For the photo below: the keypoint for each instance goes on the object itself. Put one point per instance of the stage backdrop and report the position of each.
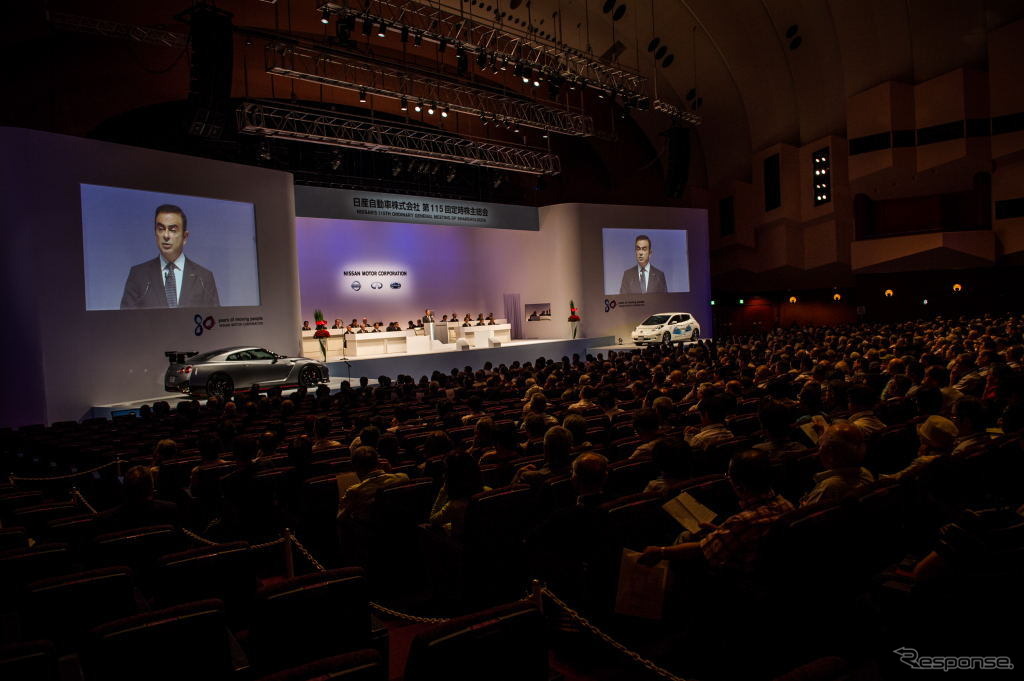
(392, 271)
(62, 359)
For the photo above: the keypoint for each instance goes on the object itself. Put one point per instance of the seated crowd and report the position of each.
(471, 482)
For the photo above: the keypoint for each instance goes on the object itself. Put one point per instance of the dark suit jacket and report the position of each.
(427, 320)
(631, 281)
(145, 287)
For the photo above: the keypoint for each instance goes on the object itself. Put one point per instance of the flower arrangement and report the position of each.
(321, 333)
(574, 318)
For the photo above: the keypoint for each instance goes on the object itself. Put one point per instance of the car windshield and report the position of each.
(655, 320)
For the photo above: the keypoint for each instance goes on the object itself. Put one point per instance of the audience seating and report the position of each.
(29, 661)
(186, 641)
(62, 609)
(224, 572)
(504, 643)
(310, 617)
(359, 665)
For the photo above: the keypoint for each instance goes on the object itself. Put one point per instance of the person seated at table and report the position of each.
(362, 328)
(533, 317)
(453, 317)
(394, 326)
(354, 324)
(419, 324)
(490, 316)
(352, 328)
(338, 324)
(376, 327)
(467, 322)
(305, 326)
(411, 326)
(480, 320)
(444, 318)
(468, 317)
(490, 322)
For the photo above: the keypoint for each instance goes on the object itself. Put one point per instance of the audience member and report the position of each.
(841, 451)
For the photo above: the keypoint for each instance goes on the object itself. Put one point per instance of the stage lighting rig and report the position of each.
(275, 121)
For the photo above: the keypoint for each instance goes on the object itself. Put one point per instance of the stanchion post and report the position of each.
(289, 557)
(537, 593)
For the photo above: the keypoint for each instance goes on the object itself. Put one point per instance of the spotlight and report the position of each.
(382, 30)
(536, 83)
(503, 65)
(444, 112)
(792, 300)
(367, 26)
(515, 129)
(837, 297)
(450, 175)
(362, 95)
(957, 288)
(264, 151)
(889, 293)
(417, 40)
(325, 17)
(405, 34)
(335, 161)
(404, 104)
(430, 109)
(418, 107)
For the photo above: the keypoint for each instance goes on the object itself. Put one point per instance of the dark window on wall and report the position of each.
(772, 183)
(727, 216)
(821, 162)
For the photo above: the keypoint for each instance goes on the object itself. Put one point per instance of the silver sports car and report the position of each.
(221, 372)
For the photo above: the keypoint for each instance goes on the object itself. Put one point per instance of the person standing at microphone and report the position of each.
(170, 279)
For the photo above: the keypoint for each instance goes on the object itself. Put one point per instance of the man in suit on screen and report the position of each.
(170, 279)
(644, 277)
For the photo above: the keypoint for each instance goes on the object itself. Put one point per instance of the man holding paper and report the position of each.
(733, 544)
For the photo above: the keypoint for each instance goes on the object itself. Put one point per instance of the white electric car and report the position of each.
(666, 327)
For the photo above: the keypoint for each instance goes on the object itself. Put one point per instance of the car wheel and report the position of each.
(695, 335)
(220, 385)
(666, 338)
(309, 376)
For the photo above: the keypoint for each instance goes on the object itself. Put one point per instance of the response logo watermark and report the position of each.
(915, 660)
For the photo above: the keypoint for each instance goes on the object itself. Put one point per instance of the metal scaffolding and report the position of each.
(112, 29)
(323, 127)
(510, 46)
(353, 73)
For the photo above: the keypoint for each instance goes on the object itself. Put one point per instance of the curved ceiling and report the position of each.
(761, 71)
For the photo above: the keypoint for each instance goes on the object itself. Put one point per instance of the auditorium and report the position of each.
(517, 340)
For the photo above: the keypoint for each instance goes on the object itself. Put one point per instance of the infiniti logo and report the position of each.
(376, 285)
(356, 286)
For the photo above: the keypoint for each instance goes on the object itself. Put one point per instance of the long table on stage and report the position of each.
(363, 344)
(406, 342)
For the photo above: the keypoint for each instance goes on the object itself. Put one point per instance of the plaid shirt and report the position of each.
(733, 545)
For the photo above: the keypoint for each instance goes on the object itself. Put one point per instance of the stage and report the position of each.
(443, 358)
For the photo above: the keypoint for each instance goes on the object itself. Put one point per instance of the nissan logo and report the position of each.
(376, 285)
(395, 284)
(356, 286)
